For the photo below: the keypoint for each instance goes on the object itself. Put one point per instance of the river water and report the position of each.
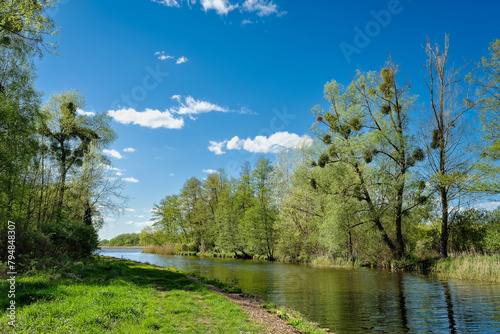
(356, 300)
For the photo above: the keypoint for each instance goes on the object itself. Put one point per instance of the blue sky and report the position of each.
(207, 84)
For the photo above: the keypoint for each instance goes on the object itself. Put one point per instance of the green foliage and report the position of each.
(372, 162)
(436, 139)
(385, 109)
(468, 231)
(103, 242)
(71, 238)
(26, 20)
(126, 239)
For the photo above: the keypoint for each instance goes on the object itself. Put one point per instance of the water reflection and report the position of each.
(449, 306)
(355, 300)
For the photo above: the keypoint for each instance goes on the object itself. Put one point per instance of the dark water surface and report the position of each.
(353, 300)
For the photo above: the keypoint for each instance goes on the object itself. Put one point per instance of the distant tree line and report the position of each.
(380, 183)
(126, 239)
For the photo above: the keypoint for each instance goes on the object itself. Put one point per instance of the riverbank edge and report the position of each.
(122, 247)
(289, 316)
(467, 266)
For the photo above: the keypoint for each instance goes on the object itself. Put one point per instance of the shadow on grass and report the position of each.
(46, 285)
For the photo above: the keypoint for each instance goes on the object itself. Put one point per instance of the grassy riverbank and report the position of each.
(111, 296)
(470, 267)
(103, 295)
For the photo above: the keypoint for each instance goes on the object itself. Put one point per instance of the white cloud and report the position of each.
(222, 7)
(488, 205)
(113, 153)
(190, 106)
(149, 118)
(216, 147)
(112, 168)
(119, 173)
(181, 60)
(172, 174)
(85, 113)
(129, 210)
(130, 179)
(154, 118)
(261, 144)
(245, 21)
(162, 56)
(262, 7)
(210, 171)
(129, 150)
(139, 224)
(168, 3)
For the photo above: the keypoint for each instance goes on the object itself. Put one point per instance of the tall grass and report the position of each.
(334, 262)
(168, 249)
(470, 266)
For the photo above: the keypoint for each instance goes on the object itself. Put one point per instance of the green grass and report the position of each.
(470, 267)
(110, 296)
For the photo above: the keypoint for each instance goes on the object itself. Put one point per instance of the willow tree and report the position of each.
(367, 130)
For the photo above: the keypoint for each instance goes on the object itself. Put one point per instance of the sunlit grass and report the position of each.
(111, 296)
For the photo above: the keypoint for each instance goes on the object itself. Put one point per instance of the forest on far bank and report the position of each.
(379, 183)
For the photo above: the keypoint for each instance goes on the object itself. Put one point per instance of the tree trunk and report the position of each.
(443, 252)
(399, 219)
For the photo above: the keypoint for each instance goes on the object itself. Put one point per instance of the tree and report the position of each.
(300, 206)
(26, 20)
(487, 80)
(71, 136)
(168, 218)
(367, 130)
(263, 214)
(195, 211)
(449, 161)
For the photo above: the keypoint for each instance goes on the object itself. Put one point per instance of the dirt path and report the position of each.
(271, 323)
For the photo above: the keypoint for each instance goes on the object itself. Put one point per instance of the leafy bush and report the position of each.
(468, 231)
(72, 238)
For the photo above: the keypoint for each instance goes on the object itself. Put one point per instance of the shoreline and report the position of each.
(122, 247)
(269, 318)
(467, 266)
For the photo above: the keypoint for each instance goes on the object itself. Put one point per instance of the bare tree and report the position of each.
(447, 133)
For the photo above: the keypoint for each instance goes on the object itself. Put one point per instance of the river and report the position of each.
(358, 300)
